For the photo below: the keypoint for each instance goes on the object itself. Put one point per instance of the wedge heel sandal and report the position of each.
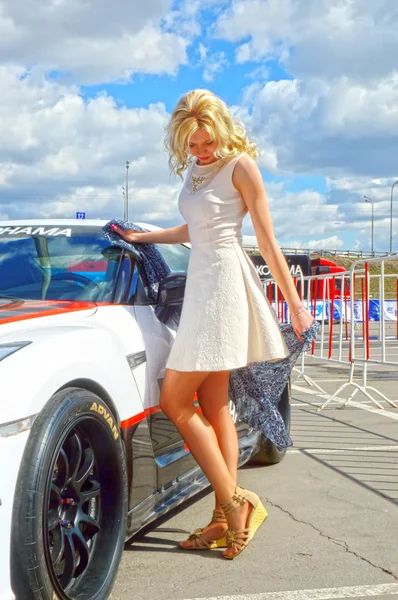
(200, 539)
(240, 539)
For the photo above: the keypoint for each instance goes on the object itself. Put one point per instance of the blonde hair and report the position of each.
(201, 109)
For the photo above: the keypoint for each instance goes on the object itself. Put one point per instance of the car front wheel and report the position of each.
(69, 515)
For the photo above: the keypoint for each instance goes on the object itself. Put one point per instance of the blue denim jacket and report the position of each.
(254, 389)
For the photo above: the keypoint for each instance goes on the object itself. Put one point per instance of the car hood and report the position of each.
(13, 311)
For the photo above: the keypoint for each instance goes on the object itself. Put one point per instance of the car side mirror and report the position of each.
(170, 297)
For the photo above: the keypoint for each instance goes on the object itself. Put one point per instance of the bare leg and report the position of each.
(176, 401)
(213, 400)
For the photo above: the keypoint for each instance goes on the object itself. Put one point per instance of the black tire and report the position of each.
(70, 507)
(268, 453)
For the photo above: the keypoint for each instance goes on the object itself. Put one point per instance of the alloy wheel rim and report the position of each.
(72, 509)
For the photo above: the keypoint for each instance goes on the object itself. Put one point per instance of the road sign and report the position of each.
(80, 215)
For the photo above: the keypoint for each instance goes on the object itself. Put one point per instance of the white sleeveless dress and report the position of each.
(227, 321)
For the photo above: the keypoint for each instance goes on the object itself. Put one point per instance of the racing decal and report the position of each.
(140, 417)
(147, 413)
(53, 232)
(98, 408)
(19, 310)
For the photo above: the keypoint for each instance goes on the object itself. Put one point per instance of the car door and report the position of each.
(171, 454)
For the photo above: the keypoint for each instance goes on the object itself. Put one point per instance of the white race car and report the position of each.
(87, 458)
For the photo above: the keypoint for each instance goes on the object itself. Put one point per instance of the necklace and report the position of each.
(201, 175)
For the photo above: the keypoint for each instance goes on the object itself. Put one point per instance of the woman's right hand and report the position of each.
(128, 234)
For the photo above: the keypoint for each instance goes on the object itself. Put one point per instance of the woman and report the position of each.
(226, 320)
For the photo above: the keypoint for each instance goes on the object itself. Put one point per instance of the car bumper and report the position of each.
(11, 451)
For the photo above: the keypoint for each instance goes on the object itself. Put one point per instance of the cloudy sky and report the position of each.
(88, 84)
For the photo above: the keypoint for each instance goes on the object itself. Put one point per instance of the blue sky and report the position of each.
(315, 81)
(229, 84)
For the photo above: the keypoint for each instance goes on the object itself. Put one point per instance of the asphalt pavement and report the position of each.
(332, 530)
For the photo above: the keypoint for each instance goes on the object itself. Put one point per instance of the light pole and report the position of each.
(126, 194)
(371, 202)
(392, 190)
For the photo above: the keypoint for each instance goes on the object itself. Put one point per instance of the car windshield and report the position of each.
(45, 267)
(77, 264)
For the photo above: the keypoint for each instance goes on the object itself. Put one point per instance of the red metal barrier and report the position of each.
(367, 310)
(331, 315)
(314, 297)
(362, 304)
(331, 344)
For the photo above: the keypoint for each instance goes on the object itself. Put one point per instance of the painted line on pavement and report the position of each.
(357, 378)
(378, 411)
(320, 403)
(341, 450)
(320, 381)
(356, 591)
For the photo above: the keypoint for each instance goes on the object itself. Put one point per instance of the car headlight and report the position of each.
(11, 347)
(15, 427)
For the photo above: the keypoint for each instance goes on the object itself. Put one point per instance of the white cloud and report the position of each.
(298, 214)
(185, 18)
(157, 204)
(329, 128)
(330, 243)
(259, 74)
(308, 219)
(202, 51)
(356, 38)
(354, 211)
(214, 65)
(92, 41)
(59, 153)
(336, 117)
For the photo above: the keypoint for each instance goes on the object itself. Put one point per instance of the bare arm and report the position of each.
(173, 235)
(248, 181)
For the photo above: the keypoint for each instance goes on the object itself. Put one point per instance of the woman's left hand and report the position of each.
(301, 322)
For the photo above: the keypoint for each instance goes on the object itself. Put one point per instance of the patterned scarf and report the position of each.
(256, 389)
(151, 265)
